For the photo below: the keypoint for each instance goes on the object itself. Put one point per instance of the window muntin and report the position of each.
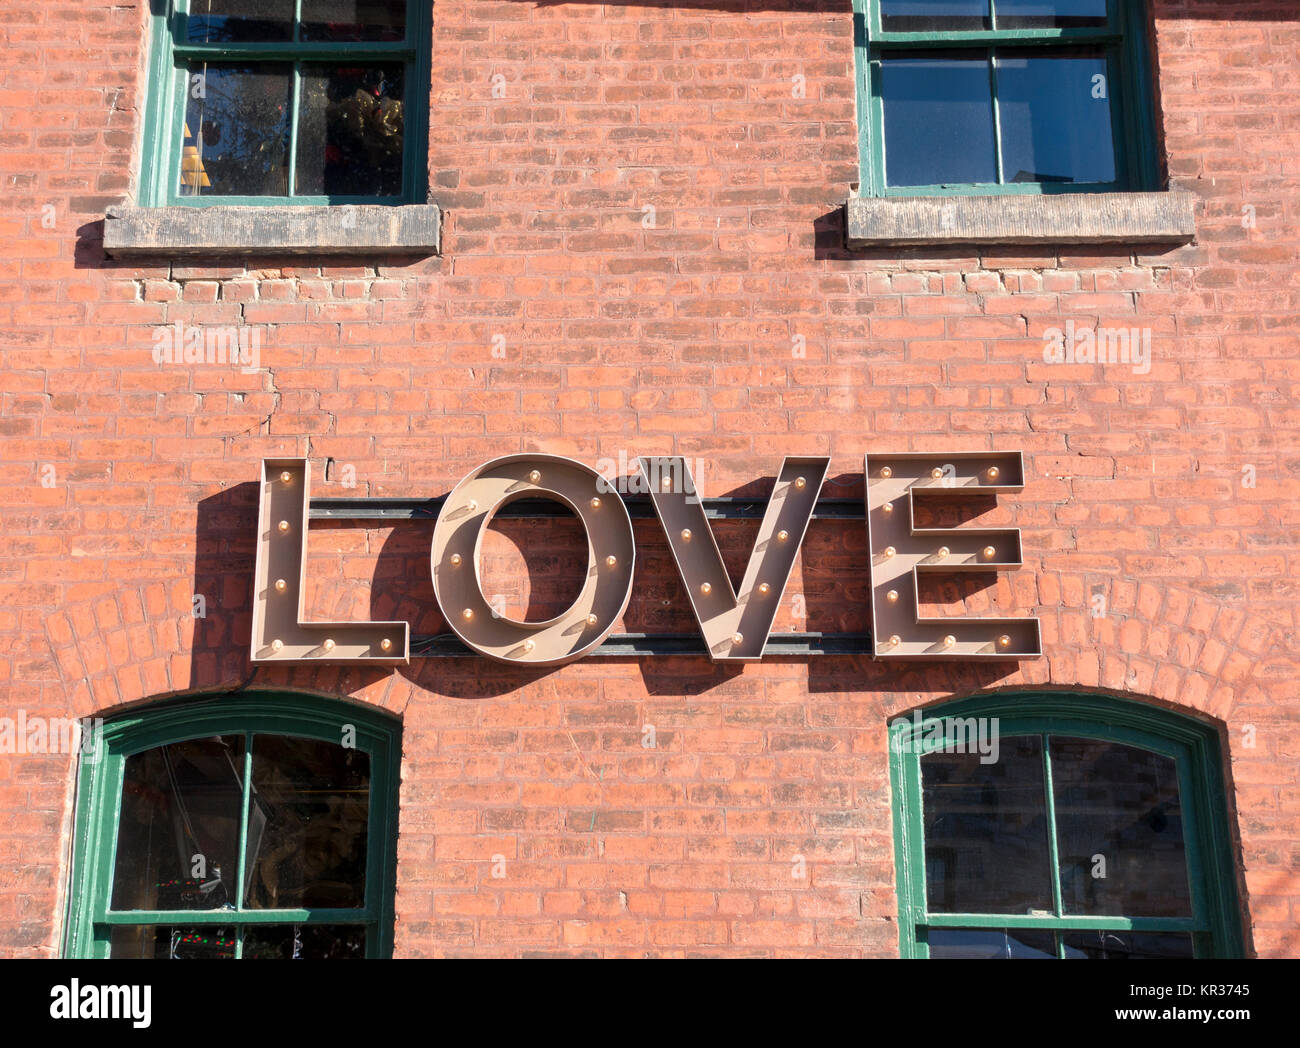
(288, 102)
(161, 857)
(1084, 777)
(1003, 96)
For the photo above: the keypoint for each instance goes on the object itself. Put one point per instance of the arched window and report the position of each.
(237, 827)
(1061, 826)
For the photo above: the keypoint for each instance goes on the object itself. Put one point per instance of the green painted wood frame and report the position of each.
(1215, 923)
(1125, 40)
(98, 806)
(168, 86)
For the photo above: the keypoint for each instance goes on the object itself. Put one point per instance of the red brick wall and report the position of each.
(678, 338)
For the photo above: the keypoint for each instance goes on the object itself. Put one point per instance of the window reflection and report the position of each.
(178, 833)
(237, 123)
(1119, 830)
(307, 824)
(986, 844)
(938, 120)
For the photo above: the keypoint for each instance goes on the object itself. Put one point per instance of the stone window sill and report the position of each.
(224, 231)
(1073, 218)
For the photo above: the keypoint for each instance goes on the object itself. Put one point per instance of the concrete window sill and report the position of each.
(1071, 218)
(222, 231)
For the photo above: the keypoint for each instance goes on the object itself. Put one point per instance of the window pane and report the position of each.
(242, 21)
(918, 16)
(1055, 116)
(1058, 14)
(237, 130)
(178, 836)
(986, 847)
(307, 824)
(162, 943)
(938, 120)
(353, 20)
(1119, 946)
(990, 944)
(350, 130)
(304, 942)
(1119, 828)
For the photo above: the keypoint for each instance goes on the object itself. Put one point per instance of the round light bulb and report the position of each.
(455, 560)
(706, 589)
(1004, 641)
(737, 638)
(385, 645)
(529, 645)
(328, 645)
(989, 551)
(285, 477)
(993, 473)
(611, 561)
(467, 614)
(666, 483)
(281, 585)
(591, 620)
(800, 482)
(942, 552)
(890, 551)
(782, 536)
(949, 641)
(895, 641)
(277, 645)
(891, 596)
(535, 476)
(764, 588)
(936, 473)
(886, 472)
(888, 507)
(595, 503)
(283, 526)
(686, 534)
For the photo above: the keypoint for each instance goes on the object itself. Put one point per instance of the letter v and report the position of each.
(735, 627)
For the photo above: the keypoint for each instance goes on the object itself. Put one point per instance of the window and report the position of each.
(288, 102)
(1061, 827)
(242, 827)
(1003, 96)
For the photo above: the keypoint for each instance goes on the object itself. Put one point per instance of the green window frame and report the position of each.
(1123, 40)
(1215, 921)
(91, 918)
(168, 87)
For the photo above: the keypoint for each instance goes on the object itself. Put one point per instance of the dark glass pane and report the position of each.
(237, 120)
(305, 942)
(239, 21)
(162, 943)
(986, 847)
(178, 836)
(938, 120)
(991, 944)
(353, 20)
(920, 16)
(350, 130)
(1057, 14)
(307, 824)
(1120, 946)
(1118, 814)
(1055, 116)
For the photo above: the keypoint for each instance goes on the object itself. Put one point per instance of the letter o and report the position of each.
(606, 589)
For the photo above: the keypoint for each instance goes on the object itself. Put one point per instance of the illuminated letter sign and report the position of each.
(279, 632)
(736, 626)
(611, 551)
(901, 552)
